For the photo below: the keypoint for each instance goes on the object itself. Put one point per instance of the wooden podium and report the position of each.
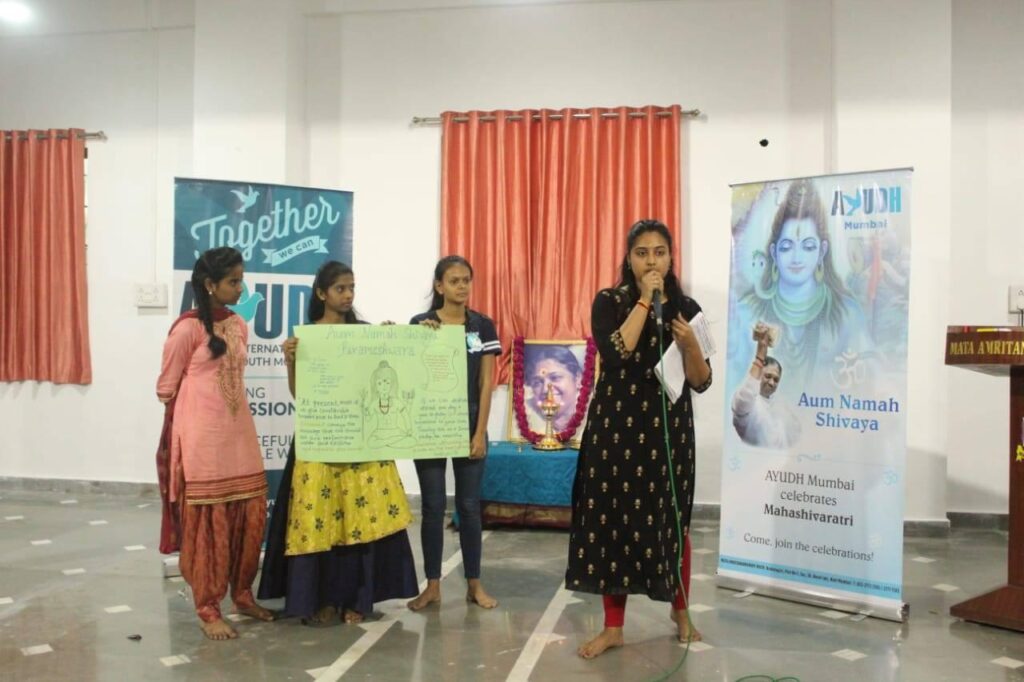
(999, 351)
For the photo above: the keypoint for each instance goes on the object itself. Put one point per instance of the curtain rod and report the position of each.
(98, 135)
(434, 120)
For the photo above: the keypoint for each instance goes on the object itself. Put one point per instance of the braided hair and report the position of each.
(213, 265)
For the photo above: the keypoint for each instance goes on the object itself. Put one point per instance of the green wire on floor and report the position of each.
(682, 543)
(679, 531)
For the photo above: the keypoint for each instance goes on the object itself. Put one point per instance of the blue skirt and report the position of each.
(346, 577)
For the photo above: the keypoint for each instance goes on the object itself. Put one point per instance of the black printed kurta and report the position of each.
(623, 538)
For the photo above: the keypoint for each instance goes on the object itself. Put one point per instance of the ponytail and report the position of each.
(443, 265)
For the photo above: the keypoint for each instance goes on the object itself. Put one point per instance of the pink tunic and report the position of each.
(213, 438)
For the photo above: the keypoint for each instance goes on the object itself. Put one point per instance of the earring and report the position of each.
(775, 272)
(819, 273)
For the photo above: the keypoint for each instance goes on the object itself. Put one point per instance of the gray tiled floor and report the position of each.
(457, 642)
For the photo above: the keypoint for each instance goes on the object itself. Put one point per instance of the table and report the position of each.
(527, 487)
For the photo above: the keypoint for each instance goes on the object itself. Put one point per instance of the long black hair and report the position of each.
(213, 265)
(443, 265)
(627, 279)
(326, 276)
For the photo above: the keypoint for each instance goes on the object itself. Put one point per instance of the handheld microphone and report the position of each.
(656, 302)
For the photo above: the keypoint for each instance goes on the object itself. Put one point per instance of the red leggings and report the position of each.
(220, 548)
(615, 604)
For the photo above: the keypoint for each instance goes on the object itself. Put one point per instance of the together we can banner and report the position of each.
(284, 234)
(816, 391)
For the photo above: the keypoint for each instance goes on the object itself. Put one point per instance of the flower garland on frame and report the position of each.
(519, 392)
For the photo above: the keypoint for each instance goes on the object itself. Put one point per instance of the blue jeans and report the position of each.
(469, 474)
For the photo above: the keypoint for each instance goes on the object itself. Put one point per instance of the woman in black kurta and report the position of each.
(624, 538)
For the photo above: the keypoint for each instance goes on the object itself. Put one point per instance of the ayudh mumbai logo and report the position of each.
(867, 201)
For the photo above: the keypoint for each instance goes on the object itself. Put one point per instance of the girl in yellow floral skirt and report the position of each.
(337, 542)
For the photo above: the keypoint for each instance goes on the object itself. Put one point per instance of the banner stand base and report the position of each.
(899, 614)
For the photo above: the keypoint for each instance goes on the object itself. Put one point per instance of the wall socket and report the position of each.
(1016, 300)
(151, 295)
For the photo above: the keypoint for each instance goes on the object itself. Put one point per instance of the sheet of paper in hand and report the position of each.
(671, 369)
(702, 330)
(368, 393)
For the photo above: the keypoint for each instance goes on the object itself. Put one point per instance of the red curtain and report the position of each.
(44, 326)
(540, 201)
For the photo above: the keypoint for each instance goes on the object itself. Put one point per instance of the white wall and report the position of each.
(136, 86)
(987, 242)
(841, 85)
(249, 83)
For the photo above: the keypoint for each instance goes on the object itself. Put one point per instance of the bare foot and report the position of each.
(322, 617)
(686, 633)
(255, 611)
(475, 594)
(218, 630)
(352, 616)
(608, 639)
(427, 597)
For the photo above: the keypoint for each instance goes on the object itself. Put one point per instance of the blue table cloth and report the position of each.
(518, 474)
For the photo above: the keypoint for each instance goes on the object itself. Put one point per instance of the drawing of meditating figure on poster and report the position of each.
(387, 411)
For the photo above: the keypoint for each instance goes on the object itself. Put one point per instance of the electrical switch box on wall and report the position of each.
(151, 295)
(1016, 298)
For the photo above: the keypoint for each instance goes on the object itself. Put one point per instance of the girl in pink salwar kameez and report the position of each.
(209, 461)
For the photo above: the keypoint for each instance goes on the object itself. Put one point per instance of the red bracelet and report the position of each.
(645, 306)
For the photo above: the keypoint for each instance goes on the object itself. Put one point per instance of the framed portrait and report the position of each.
(566, 369)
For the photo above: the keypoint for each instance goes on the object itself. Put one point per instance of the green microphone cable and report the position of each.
(682, 541)
(676, 514)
